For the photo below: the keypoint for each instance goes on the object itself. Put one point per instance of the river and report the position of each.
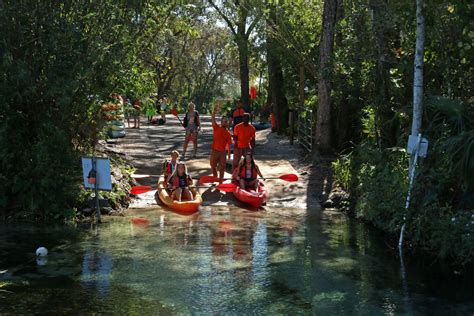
(223, 260)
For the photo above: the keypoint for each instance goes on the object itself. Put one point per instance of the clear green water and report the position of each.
(222, 261)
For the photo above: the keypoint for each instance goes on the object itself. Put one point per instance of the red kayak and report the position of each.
(251, 197)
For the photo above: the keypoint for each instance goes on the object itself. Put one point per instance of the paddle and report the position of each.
(225, 187)
(291, 177)
(175, 113)
(141, 176)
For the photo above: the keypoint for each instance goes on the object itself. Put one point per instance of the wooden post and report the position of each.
(301, 87)
(300, 107)
(292, 126)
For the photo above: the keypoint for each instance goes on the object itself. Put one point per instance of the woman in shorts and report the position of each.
(192, 125)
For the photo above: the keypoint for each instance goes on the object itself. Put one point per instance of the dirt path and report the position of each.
(147, 147)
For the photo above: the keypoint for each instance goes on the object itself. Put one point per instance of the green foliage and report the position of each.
(450, 128)
(187, 55)
(444, 230)
(439, 219)
(342, 170)
(369, 126)
(380, 186)
(460, 149)
(57, 61)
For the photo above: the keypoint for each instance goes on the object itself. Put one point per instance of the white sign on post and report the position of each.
(102, 172)
(422, 150)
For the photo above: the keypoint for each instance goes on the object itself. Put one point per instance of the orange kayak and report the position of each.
(251, 197)
(183, 206)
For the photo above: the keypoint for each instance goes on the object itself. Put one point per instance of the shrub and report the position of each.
(381, 186)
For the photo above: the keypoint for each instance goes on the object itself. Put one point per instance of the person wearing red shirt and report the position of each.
(222, 138)
(244, 139)
(237, 114)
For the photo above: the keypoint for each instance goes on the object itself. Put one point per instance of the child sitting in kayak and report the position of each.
(247, 173)
(179, 183)
(170, 165)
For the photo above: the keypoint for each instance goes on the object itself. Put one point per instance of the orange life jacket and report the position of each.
(243, 173)
(167, 167)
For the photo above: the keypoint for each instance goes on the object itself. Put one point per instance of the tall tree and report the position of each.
(236, 19)
(418, 76)
(57, 60)
(275, 75)
(383, 111)
(323, 122)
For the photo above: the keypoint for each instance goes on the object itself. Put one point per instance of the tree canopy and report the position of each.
(59, 61)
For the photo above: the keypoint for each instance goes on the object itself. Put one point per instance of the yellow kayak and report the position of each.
(183, 206)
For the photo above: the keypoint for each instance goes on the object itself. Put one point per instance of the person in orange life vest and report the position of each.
(179, 183)
(247, 173)
(170, 165)
(237, 114)
(192, 125)
(244, 139)
(222, 138)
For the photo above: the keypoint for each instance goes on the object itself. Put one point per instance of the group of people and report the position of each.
(133, 107)
(245, 172)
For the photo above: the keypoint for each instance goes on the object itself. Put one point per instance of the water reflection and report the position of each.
(228, 261)
(96, 271)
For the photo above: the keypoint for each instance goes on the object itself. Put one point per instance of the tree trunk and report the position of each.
(385, 127)
(418, 75)
(275, 77)
(269, 103)
(242, 44)
(241, 37)
(323, 123)
(280, 103)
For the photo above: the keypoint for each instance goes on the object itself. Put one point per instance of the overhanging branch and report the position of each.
(226, 19)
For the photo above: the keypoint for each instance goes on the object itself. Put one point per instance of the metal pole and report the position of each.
(411, 175)
(96, 190)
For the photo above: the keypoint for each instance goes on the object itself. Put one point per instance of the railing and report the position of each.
(304, 127)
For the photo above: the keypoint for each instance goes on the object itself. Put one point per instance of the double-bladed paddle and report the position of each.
(291, 177)
(225, 187)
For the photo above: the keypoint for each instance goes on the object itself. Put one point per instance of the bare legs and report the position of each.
(195, 146)
(217, 162)
(188, 138)
(182, 193)
(185, 146)
(136, 121)
(252, 184)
